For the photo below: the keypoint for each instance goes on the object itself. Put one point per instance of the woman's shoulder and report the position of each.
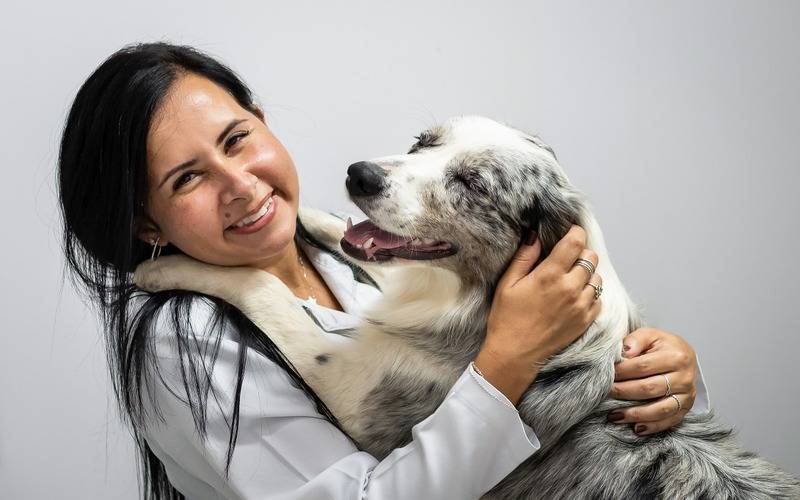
(198, 341)
(187, 329)
(174, 312)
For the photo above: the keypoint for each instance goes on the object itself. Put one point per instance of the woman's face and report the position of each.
(213, 165)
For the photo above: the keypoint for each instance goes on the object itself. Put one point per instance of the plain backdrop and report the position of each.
(680, 120)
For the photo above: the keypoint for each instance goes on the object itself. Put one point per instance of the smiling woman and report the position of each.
(237, 169)
(165, 148)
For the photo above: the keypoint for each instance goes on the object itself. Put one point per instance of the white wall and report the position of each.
(679, 119)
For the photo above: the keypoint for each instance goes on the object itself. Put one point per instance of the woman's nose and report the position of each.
(237, 183)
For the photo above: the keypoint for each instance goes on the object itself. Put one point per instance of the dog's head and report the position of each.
(460, 198)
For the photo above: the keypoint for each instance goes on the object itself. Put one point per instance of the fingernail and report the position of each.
(616, 416)
(530, 238)
(640, 428)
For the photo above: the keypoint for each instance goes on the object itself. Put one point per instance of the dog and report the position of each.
(443, 221)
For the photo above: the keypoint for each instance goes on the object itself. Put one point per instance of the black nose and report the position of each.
(365, 179)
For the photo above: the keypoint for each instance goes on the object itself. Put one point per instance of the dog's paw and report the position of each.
(185, 273)
(166, 273)
(238, 285)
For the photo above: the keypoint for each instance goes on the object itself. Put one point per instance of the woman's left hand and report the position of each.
(650, 355)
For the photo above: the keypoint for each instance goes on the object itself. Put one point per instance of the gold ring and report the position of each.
(598, 289)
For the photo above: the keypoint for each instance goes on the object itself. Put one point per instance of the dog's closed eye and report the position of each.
(426, 139)
(469, 178)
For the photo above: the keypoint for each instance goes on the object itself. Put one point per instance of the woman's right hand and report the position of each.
(536, 312)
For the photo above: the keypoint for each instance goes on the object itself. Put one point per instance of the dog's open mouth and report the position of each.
(366, 241)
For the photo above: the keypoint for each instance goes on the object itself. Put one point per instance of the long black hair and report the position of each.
(102, 178)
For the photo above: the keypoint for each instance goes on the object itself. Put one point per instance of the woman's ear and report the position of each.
(147, 231)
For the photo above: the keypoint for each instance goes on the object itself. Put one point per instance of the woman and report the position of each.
(164, 150)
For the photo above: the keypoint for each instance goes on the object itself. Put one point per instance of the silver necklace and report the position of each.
(309, 289)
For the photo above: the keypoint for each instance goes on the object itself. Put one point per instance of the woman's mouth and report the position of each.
(256, 220)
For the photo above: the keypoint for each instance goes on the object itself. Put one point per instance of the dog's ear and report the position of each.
(555, 209)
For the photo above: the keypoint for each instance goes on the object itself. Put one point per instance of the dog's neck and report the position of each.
(438, 301)
(435, 310)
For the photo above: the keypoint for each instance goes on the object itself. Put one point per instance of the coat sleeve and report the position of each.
(287, 450)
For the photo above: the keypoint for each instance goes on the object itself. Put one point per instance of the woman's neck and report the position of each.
(286, 266)
(302, 279)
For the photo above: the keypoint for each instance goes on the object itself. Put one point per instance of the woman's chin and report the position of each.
(257, 246)
(268, 243)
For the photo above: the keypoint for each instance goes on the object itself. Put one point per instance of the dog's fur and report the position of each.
(479, 185)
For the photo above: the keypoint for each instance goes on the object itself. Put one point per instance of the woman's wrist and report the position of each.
(510, 376)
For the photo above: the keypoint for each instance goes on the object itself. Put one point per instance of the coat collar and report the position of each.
(319, 234)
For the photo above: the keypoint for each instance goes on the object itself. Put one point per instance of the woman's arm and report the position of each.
(286, 449)
(651, 359)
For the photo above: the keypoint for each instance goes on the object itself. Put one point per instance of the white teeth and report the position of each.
(428, 241)
(368, 243)
(416, 241)
(261, 212)
(349, 223)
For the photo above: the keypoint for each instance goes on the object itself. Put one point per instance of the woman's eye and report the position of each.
(183, 179)
(235, 139)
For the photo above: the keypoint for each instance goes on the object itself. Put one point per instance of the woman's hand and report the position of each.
(536, 313)
(650, 355)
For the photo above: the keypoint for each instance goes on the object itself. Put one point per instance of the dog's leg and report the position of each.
(563, 396)
(573, 383)
(261, 296)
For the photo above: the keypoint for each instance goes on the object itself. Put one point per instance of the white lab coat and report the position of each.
(287, 450)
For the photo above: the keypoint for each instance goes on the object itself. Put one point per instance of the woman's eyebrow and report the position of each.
(174, 170)
(189, 163)
(228, 128)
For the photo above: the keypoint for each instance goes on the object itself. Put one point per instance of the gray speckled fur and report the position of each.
(493, 193)
(394, 406)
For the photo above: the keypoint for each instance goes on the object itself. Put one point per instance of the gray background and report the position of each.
(679, 119)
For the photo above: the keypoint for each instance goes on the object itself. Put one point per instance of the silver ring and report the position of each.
(598, 289)
(586, 264)
(669, 387)
(680, 406)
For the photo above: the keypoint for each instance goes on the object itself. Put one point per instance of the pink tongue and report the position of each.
(363, 231)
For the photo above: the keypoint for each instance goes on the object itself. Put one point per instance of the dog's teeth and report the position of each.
(428, 241)
(416, 241)
(358, 245)
(368, 243)
(349, 223)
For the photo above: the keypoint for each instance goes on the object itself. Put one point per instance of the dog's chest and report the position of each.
(400, 399)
